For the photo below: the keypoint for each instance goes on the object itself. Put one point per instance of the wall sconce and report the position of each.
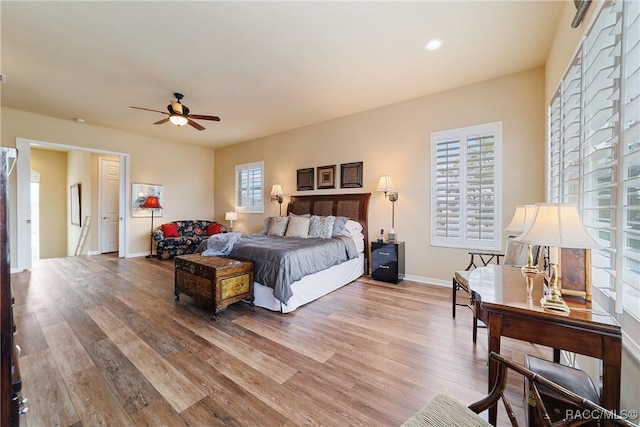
(276, 194)
(385, 184)
(152, 203)
(231, 216)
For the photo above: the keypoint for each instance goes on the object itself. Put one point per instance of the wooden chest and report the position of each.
(214, 281)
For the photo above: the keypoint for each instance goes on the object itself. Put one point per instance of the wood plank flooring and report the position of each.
(104, 343)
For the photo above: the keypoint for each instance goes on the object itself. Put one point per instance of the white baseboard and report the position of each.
(93, 253)
(137, 255)
(428, 280)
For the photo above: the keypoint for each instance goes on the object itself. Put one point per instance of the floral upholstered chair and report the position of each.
(183, 237)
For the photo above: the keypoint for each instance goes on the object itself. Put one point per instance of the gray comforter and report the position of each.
(280, 261)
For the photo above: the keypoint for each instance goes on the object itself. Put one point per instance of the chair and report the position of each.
(516, 254)
(446, 411)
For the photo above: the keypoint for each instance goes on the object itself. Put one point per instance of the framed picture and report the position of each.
(326, 177)
(76, 204)
(305, 179)
(139, 193)
(574, 271)
(351, 175)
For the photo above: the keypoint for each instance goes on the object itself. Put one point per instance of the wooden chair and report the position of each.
(516, 254)
(446, 411)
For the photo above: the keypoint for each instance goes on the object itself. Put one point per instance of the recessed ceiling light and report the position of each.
(433, 44)
(79, 120)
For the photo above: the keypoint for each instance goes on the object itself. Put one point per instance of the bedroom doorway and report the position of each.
(23, 193)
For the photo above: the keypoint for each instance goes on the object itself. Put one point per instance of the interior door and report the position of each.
(109, 204)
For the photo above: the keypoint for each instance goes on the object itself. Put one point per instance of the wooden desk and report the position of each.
(500, 297)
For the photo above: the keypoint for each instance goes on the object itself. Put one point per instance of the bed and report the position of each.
(313, 286)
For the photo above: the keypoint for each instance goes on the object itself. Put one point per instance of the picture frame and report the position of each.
(326, 177)
(351, 175)
(305, 179)
(574, 271)
(139, 193)
(75, 197)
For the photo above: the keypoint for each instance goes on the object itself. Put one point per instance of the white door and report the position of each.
(109, 204)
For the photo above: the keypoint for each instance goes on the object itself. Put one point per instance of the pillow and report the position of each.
(321, 226)
(338, 226)
(298, 227)
(214, 229)
(352, 228)
(267, 224)
(170, 230)
(301, 215)
(278, 226)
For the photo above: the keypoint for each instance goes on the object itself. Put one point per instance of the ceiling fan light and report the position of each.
(178, 120)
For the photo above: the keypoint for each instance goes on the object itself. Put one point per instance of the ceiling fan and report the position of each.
(179, 114)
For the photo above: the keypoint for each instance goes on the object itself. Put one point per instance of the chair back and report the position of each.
(517, 253)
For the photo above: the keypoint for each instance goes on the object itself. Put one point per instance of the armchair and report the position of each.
(446, 411)
(516, 254)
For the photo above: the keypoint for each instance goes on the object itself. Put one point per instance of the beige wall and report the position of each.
(395, 140)
(52, 167)
(186, 171)
(78, 172)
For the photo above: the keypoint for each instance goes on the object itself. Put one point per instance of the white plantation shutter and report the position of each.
(447, 189)
(466, 187)
(249, 187)
(607, 188)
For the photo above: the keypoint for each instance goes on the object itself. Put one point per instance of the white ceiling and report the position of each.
(263, 67)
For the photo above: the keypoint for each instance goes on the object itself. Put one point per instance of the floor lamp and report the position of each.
(152, 203)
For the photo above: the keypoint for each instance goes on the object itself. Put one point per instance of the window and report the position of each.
(466, 187)
(594, 149)
(249, 187)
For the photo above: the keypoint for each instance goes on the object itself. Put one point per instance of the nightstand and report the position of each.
(387, 261)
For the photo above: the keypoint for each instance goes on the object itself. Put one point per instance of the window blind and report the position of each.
(249, 187)
(466, 187)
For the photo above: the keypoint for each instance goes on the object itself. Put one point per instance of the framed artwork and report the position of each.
(574, 271)
(326, 177)
(305, 179)
(139, 193)
(76, 204)
(351, 175)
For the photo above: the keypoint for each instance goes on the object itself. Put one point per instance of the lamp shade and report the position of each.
(384, 183)
(178, 119)
(152, 202)
(557, 225)
(231, 216)
(276, 190)
(521, 219)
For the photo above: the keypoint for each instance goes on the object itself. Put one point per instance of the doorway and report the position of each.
(24, 225)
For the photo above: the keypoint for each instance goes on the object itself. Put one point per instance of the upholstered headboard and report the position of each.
(353, 206)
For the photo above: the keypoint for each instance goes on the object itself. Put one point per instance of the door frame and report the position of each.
(23, 166)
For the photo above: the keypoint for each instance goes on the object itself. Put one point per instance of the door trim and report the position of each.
(23, 166)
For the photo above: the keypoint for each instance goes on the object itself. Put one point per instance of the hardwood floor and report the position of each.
(104, 343)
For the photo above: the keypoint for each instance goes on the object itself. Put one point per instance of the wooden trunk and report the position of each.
(217, 282)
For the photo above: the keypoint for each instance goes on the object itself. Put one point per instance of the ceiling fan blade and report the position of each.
(176, 107)
(201, 117)
(148, 109)
(195, 125)
(159, 122)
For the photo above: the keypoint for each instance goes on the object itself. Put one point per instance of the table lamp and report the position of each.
(556, 226)
(521, 220)
(231, 216)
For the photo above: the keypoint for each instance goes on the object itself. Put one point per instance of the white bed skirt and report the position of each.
(311, 287)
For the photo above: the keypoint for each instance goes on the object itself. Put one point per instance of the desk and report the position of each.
(500, 300)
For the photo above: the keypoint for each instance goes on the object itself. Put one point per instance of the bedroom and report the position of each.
(389, 140)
